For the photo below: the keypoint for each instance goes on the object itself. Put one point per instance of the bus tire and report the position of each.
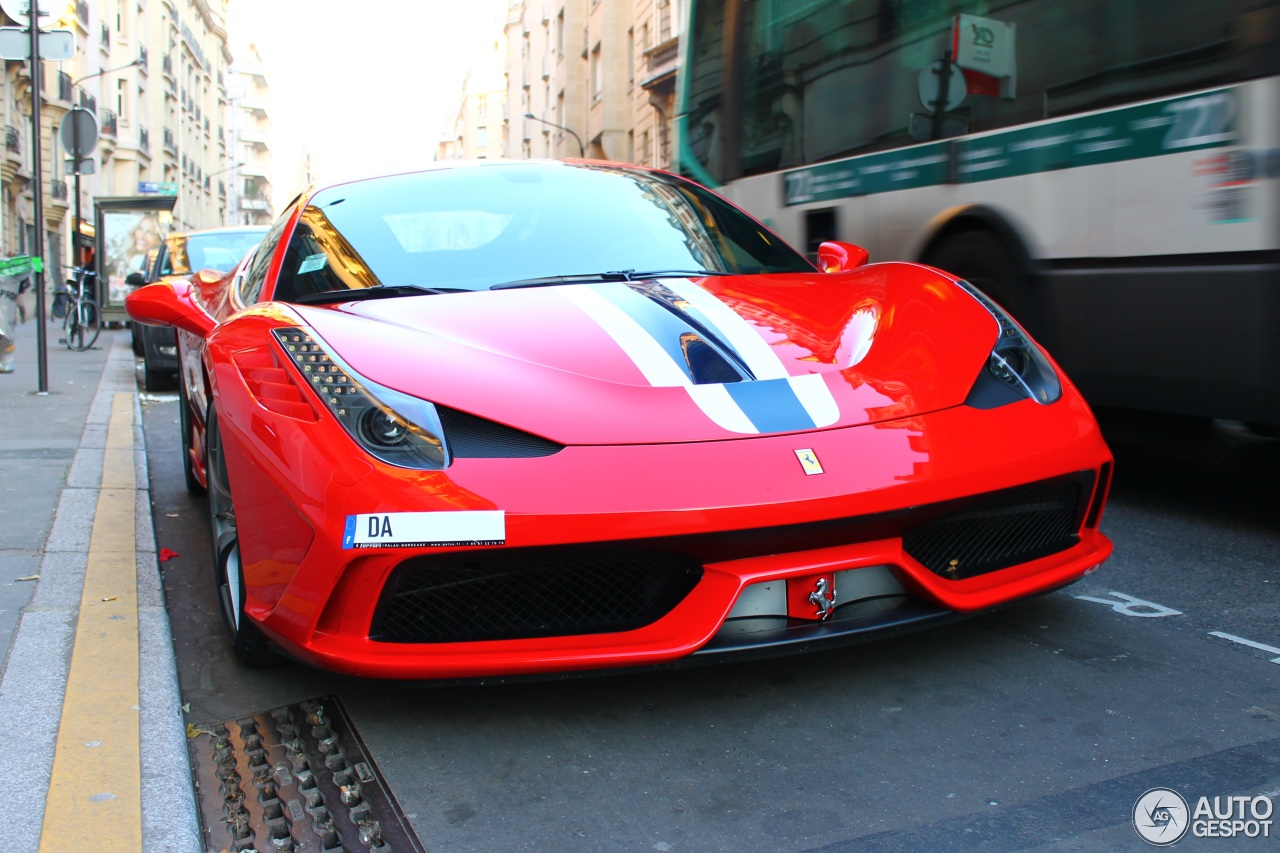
(983, 260)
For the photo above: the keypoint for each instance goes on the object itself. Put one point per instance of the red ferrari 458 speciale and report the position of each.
(519, 418)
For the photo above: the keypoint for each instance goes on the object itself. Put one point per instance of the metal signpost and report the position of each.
(58, 45)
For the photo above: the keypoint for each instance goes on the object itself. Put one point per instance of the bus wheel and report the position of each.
(981, 259)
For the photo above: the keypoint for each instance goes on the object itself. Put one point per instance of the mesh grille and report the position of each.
(999, 530)
(471, 437)
(521, 593)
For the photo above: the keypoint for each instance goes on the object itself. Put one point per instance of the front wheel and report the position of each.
(247, 642)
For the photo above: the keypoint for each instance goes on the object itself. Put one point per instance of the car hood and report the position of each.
(676, 359)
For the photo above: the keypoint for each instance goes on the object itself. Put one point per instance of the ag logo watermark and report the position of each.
(1162, 817)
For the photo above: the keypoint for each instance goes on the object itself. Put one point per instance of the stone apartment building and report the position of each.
(593, 78)
(155, 74)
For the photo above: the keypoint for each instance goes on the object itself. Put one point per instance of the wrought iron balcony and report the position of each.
(170, 144)
(109, 124)
(142, 56)
(64, 86)
(82, 11)
(106, 35)
(12, 139)
(58, 189)
(144, 139)
(88, 102)
(166, 64)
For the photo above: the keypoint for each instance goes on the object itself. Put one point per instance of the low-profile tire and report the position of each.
(247, 642)
(980, 258)
(194, 486)
(135, 340)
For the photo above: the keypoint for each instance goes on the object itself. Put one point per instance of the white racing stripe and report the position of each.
(761, 358)
(814, 394)
(718, 405)
(635, 340)
(654, 362)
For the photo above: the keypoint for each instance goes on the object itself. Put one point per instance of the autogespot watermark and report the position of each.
(1162, 817)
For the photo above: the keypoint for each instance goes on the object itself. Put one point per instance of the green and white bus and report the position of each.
(1118, 190)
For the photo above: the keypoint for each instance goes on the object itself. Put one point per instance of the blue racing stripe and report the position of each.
(770, 404)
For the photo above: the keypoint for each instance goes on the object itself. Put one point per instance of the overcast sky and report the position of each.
(368, 85)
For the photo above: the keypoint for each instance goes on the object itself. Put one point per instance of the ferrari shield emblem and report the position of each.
(809, 461)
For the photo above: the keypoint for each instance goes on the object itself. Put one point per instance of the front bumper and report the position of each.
(297, 484)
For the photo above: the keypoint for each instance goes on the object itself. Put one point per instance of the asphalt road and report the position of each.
(1037, 727)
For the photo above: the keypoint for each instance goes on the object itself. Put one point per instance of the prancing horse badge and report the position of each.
(809, 461)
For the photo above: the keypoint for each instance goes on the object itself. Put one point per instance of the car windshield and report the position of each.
(473, 227)
(218, 250)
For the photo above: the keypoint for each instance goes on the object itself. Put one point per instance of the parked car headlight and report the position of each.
(1016, 369)
(398, 429)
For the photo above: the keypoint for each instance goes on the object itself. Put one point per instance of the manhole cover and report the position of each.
(295, 779)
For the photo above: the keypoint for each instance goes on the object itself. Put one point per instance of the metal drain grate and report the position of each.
(296, 779)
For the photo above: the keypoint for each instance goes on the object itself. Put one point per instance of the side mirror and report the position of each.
(835, 256)
(135, 279)
(169, 303)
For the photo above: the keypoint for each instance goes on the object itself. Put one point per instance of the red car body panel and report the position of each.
(640, 463)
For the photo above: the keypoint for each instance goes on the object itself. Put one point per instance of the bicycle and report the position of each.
(82, 320)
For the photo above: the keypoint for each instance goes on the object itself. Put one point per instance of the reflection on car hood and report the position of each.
(677, 359)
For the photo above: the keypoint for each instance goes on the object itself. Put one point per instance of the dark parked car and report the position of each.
(184, 255)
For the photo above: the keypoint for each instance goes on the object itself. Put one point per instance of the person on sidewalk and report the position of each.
(10, 289)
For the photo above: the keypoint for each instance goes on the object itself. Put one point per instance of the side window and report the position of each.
(251, 286)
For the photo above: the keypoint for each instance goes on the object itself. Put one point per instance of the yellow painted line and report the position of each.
(94, 801)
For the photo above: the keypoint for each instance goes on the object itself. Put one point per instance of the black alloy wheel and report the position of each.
(248, 643)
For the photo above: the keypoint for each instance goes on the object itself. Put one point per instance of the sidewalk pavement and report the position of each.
(52, 450)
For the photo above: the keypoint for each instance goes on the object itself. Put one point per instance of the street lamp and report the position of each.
(582, 152)
(76, 155)
(235, 195)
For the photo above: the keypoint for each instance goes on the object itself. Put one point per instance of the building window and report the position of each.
(122, 99)
(482, 137)
(482, 104)
(597, 74)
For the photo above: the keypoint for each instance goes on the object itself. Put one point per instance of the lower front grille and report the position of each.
(523, 593)
(1000, 529)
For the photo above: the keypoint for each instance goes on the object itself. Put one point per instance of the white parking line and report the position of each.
(1250, 643)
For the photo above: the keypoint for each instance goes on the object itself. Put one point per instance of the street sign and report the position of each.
(20, 11)
(86, 166)
(79, 132)
(929, 83)
(55, 45)
(154, 188)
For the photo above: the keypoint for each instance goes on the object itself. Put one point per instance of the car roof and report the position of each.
(226, 229)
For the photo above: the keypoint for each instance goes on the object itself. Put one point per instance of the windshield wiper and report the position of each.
(381, 291)
(611, 275)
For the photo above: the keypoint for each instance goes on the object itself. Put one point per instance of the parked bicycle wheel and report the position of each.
(84, 324)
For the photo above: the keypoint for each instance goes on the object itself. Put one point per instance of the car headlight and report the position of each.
(394, 427)
(1016, 369)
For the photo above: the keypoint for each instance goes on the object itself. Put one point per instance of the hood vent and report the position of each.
(707, 365)
(472, 437)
